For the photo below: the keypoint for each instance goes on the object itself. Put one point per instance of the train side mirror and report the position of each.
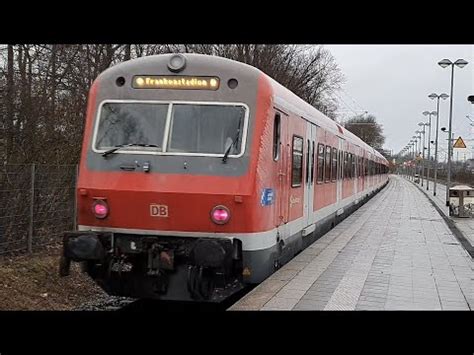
(471, 99)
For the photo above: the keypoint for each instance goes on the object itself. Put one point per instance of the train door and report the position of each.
(340, 162)
(282, 157)
(309, 177)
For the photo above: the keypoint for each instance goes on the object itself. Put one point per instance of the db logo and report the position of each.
(159, 210)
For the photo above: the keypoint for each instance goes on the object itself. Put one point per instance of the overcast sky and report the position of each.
(393, 83)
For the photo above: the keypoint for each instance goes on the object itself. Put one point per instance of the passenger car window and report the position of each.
(276, 137)
(320, 163)
(297, 162)
(327, 173)
(334, 165)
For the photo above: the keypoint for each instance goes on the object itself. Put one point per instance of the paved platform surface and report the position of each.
(465, 225)
(394, 253)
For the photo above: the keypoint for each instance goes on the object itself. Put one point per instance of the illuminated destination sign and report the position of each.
(176, 82)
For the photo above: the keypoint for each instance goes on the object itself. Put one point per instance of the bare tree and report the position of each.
(367, 129)
(309, 71)
(46, 87)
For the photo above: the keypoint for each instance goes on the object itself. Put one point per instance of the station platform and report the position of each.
(465, 225)
(395, 252)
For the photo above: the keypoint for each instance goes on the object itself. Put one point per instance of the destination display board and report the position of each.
(175, 82)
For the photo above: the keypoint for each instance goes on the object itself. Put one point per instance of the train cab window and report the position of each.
(366, 167)
(194, 129)
(276, 137)
(334, 165)
(208, 129)
(320, 176)
(327, 162)
(297, 162)
(124, 123)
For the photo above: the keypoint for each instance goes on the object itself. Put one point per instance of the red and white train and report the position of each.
(199, 174)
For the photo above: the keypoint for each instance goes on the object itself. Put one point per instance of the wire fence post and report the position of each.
(32, 209)
(75, 196)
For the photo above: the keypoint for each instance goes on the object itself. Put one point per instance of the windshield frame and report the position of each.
(166, 132)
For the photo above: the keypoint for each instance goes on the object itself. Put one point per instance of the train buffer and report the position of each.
(396, 252)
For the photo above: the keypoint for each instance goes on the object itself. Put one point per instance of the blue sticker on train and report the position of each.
(267, 197)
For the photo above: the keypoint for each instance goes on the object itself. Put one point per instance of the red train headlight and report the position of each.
(100, 208)
(220, 214)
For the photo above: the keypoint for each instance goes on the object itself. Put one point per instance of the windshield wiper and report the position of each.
(117, 147)
(226, 154)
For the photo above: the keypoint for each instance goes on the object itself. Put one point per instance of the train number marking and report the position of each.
(158, 210)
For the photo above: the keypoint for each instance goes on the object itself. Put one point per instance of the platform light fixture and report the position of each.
(434, 96)
(461, 63)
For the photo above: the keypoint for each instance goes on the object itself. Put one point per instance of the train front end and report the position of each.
(167, 178)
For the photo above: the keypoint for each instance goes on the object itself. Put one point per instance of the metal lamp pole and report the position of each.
(461, 63)
(444, 97)
(407, 157)
(422, 124)
(427, 113)
(409, 160)
(415, 148)
(418, 151)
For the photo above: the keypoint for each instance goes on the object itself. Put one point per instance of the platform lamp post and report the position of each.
(415, 148)
(408, 155)
(418, 151)
(405, 155)
(461, 63)
(402, 155)
(422, 124)
(437, 97)
(427, 113)
(409, 160)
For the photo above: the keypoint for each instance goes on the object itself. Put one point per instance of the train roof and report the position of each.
(304, 109)
(281, 93)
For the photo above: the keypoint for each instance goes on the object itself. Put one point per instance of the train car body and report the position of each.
(199, 174)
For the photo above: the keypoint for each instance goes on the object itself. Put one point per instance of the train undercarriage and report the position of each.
(164, 267)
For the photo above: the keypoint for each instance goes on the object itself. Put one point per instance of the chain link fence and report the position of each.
(37, 204)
